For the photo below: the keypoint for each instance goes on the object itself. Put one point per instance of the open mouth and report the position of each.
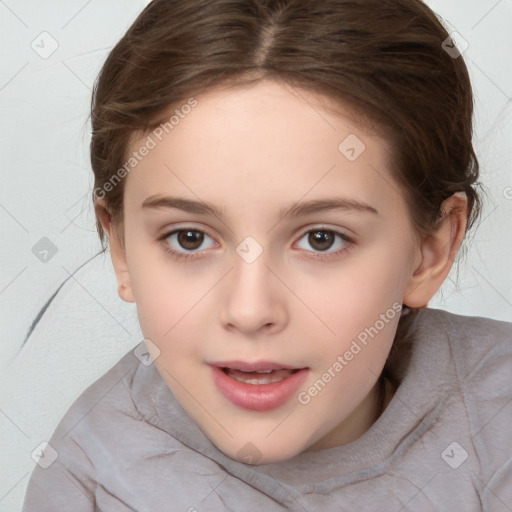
(257, 386)
(259, 377)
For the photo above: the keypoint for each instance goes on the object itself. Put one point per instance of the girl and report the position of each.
(284, 186)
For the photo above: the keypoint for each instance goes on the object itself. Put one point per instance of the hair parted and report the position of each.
(381, 59)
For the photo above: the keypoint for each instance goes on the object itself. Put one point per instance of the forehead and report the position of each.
(260, 145)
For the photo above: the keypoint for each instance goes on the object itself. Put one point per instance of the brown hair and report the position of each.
(384, 59)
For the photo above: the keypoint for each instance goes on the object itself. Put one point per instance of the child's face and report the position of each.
(251, 153)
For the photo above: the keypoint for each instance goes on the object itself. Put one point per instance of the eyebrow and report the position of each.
(297, 209)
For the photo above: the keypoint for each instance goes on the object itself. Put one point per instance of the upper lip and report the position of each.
(256, 366)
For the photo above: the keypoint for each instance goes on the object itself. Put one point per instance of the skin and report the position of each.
(251, 151)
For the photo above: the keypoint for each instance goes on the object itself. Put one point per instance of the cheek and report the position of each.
(174, 303)
(163, 294)
(352, 295)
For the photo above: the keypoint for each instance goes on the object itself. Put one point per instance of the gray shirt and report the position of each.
(444, 443)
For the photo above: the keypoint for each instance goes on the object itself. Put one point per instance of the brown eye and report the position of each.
(190, 239)
(321, 240)
(187, 242)
(324, 243)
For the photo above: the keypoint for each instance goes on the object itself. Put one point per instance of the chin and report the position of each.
(256, 453)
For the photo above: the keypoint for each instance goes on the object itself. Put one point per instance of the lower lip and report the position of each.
(258, 397)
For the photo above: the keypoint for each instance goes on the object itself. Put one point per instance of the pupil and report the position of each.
(190, 239)
(321, 240)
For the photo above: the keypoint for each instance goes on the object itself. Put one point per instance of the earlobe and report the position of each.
(117, 252)
(125, 292)
(438, 252)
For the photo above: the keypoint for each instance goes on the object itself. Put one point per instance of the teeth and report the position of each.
(260, 371)
(264, 380)
(267, 376)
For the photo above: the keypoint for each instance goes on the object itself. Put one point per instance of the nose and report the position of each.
(253, 300)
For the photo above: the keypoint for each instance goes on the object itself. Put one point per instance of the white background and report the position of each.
(45, 191)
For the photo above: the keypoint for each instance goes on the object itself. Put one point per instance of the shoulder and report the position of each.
(476, 343)
(472, 341)
(451, 346)
(477, 350)
(67, 470)
(480, 350)
(106, 396)
(113, 446)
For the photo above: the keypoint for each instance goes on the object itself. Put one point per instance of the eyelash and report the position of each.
(183, 256)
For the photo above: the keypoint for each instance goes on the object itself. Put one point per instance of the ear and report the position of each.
(117, 251)
(438, 252)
